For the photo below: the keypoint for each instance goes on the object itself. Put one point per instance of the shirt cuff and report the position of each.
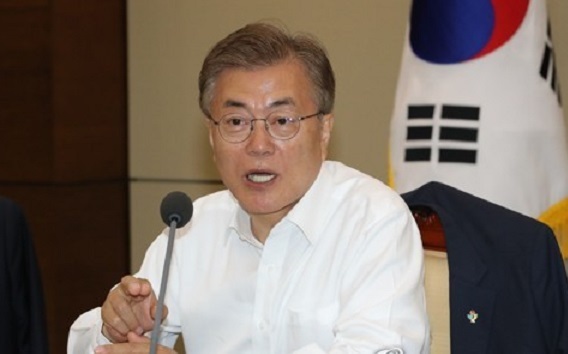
(86, 333)
(309, 349)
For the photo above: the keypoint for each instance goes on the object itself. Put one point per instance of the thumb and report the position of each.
(141, 344)
(135, 338)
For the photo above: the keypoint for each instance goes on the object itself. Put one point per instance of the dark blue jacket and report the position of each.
(22, 314)
(504, 266)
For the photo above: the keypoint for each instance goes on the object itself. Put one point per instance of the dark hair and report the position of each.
(260, 45)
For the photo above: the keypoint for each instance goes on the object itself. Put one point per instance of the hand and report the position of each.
(136, 344)
(130, 307)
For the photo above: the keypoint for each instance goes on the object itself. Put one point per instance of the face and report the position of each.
(266, 175)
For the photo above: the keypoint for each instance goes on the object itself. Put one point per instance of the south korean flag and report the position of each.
(478, 107)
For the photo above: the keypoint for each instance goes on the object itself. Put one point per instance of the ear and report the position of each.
(327, 127)
(211, 143)
(210, 126)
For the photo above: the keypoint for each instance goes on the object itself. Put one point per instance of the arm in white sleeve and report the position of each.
(86, 332)
(382, 298)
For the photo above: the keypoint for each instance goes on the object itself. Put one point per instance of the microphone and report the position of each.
(176, 206)
(176, 211)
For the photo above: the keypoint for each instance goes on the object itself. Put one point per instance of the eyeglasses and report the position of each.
(236, 128)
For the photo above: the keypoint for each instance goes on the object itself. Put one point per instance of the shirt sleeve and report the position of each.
(86, 333)
(310, 349)
(383, 303)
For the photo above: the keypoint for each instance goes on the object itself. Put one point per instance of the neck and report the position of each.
(261, 225)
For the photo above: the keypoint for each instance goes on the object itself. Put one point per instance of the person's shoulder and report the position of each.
(340, 173)
(356, 187)
(8, 204)
(344, 176)
(11, 211)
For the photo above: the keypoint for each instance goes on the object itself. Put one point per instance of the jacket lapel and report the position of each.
(471, 305)
(467, 268)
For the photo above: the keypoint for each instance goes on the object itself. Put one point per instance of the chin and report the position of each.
(258, 210)
(261, 209)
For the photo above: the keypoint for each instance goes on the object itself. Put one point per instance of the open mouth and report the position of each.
(260, 177)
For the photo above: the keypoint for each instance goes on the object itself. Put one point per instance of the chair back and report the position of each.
(436, 278)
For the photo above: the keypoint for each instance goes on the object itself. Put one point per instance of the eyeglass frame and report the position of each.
(266, 126)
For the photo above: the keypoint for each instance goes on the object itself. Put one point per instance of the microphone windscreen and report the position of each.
(176, 206)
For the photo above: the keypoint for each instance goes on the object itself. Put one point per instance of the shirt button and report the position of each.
(262, 325)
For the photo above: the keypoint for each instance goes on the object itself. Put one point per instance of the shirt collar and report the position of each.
(240, 224)
(312, 211)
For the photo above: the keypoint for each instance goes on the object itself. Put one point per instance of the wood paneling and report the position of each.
(81, 243)
(89, 89)
(25, 93)
(23, 4)
(63, 145)
(63, 90)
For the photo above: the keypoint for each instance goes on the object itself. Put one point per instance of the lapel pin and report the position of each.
(472, 316)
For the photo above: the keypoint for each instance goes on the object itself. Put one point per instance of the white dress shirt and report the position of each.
(341, 273)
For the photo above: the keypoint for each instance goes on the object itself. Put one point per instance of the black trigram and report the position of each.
(450, 138)
(548, 65)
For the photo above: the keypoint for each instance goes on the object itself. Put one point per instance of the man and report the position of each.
(298, 255)
(22, 309)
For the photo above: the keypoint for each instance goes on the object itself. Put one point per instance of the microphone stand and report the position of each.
(165, 272)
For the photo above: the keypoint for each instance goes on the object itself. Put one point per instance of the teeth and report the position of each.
(260, 178)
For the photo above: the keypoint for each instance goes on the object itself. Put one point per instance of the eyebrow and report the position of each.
(232, 103)
(285, 101)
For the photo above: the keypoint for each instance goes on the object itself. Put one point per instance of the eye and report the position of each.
(281, 120)
(235, 121)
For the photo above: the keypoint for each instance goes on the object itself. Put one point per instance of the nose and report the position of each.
(260, 141)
